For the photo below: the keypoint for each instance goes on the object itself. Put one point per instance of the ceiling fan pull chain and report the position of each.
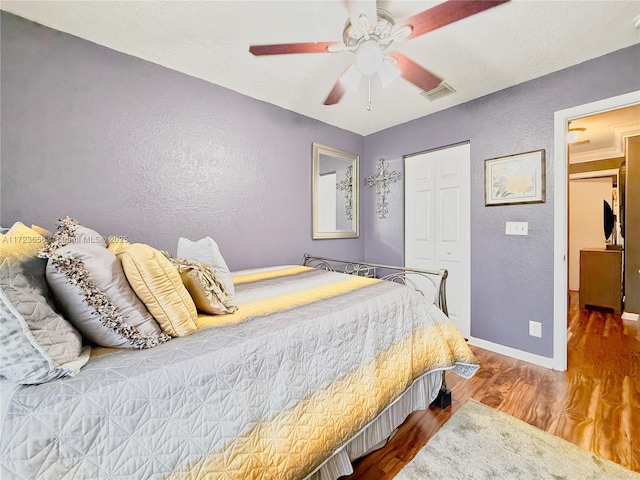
(369, 102)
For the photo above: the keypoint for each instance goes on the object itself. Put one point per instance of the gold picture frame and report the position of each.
(515, 179)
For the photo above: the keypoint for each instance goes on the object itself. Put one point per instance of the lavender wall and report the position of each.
(131, 148)
(511, 276)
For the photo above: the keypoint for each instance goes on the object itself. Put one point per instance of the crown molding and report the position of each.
(620, 133)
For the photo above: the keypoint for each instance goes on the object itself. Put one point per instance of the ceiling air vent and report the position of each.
(440, 91)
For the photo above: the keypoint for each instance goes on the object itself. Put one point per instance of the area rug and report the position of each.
(480, 443)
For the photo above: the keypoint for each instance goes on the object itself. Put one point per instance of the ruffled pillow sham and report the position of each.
(206, 289)
(71, 232)
(91, 288)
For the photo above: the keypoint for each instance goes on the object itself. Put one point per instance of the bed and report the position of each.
(315, 368)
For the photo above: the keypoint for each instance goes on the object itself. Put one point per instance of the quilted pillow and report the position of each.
(26, 295)
(206, 251)
(92, 290)
(158, 284)
(22, 359)
(205, 288)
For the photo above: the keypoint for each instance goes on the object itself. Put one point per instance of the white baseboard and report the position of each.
(512, 352)
(630, 316)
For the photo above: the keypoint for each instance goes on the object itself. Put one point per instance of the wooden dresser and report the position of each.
(601, 278)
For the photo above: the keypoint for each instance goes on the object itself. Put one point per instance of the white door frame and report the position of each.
(560, 213)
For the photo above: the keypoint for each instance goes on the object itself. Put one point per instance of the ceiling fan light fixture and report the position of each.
(369, 57)
(402, 33)
(359, 29)
(388, 73)
(351, 78)
(336, 48)
(364, 24)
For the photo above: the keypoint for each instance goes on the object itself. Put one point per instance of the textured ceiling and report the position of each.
(490, 51)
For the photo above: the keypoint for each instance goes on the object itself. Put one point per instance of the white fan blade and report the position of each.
(369, 8)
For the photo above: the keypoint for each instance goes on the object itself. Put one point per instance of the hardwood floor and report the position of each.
(595, 404)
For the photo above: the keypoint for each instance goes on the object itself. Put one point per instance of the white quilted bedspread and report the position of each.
(269, 395)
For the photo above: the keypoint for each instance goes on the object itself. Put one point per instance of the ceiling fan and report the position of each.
(370, 30)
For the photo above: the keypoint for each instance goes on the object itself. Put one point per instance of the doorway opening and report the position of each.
(562, 120)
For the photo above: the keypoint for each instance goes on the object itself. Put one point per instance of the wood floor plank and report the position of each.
(633, 429)
(614, 433)
(594, 404)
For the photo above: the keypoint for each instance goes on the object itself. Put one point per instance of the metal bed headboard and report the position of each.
(438, 278)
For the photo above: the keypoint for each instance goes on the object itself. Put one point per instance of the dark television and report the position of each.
(609, 220)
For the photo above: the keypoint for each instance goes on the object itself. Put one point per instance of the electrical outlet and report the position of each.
(517, 228)
(535, 329)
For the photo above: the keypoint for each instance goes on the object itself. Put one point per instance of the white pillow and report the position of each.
(206, 251)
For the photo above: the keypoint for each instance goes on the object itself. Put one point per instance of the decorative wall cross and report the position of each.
(346, 186)
(381, 180)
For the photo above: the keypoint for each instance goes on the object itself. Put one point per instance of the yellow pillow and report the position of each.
(42, 231)
(158, 284)
(117, 245)
(21, 242)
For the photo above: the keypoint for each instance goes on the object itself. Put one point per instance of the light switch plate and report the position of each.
(517, 228)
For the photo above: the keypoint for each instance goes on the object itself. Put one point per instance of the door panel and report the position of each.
(450, 215)
(420, 226)
(437, 223)
(423, 223)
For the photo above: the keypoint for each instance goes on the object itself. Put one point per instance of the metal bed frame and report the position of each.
(403, 275)
(438, 278)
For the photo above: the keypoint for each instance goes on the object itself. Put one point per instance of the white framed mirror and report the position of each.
(335, 193)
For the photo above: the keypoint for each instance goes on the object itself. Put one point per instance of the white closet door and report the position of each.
(437, 223)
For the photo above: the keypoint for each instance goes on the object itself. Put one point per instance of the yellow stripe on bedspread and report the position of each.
(314, 428)
(254, 277)
(286, 301)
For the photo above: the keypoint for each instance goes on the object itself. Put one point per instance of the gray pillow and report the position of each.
(23, 284)
(32, 318)
(89, 284)
(22, 359)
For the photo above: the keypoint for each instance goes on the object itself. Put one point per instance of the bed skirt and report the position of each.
(418, 396)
